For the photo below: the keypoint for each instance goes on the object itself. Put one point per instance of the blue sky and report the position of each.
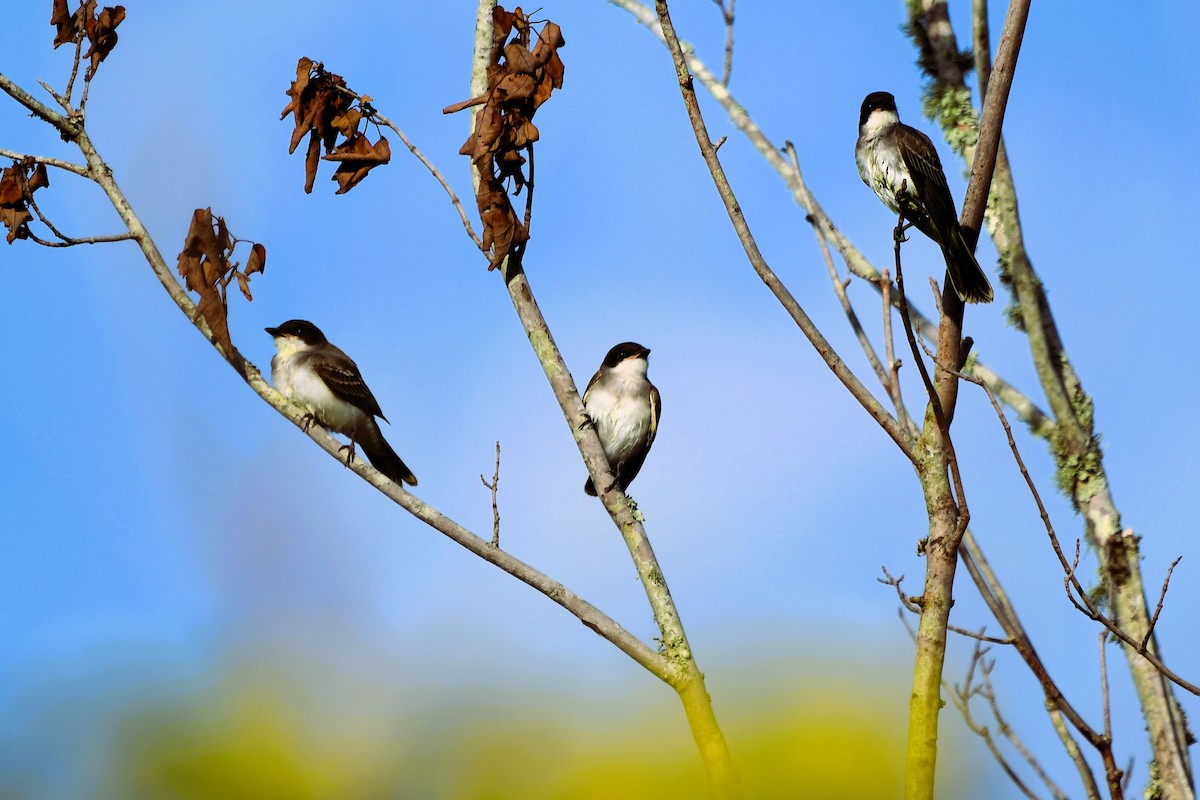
(159, 521)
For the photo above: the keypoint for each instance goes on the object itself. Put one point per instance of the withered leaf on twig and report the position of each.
(357, 157)
(519, 80)
(102, 34)
(64, 21)
(17, 185)
(323, 108)
(100, 29)
(205, 266)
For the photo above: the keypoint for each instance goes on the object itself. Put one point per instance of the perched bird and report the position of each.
(321, 379)
(901, 165)
(624, 407)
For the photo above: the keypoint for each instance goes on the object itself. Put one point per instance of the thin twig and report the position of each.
(380, 119)
(889, 344)
(1084, 604)
(961, 696)
(1162, 596)
(911, 606)
(936, 401)
(75, 72)
(988, 692)
(494, 485)
(1057, 705)
(71, 241)
(839, 289)
(981, 40)
(77, 169)
(1072, 748)
(991, 121)
(1102, 637)
(727, 16)
(528, 221)
(39, 109)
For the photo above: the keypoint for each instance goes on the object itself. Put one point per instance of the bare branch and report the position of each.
(961, 698)
(1162, 596)
(910, 605)
(727, 16)
(894, 363)
(380, 119)
(992, 118)
(1072, 748)
(1084, 604)
(1102, 636)
(65, 126)
(940, 402)
(70, 241)
(988, 692)
(77, 169)
(494, 485)
(839, 289)
(981, 45)
(66, 96)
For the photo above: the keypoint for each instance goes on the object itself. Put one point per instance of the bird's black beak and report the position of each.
(273, 331)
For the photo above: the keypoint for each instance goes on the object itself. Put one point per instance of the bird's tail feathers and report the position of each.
(966, 276)
(384, 458)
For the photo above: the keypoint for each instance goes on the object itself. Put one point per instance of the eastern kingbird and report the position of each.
(321, 379)
(624, 407)
(901, 165)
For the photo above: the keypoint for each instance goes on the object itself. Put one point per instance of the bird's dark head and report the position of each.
(623, 351)
(876, 101)
(298, 329)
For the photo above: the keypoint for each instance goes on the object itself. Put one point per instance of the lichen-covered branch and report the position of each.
(1072, 438)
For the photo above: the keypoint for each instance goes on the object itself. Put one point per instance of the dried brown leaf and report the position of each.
(324, 109)
(39, 179)
(101, 32)
(12, 188)
(311, 161)
(519, 59)
(65, 21)
(296, 91)
(244, 285)
(204, 264)
(515, 88)
(258, 259)
(17, 185)
(358, 157)
(502, 22)
(16, 219)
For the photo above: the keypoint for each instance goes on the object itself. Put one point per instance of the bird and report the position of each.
(624, 407)
(325, 382)
(902, 167)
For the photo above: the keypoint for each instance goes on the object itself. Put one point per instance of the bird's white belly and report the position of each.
(620, 422)
(304, 388)
(882, 170)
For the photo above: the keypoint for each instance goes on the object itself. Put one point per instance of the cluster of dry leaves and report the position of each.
(519, 80)
(324, 108)
(17, 185)
(206, 268)
(100, 29)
